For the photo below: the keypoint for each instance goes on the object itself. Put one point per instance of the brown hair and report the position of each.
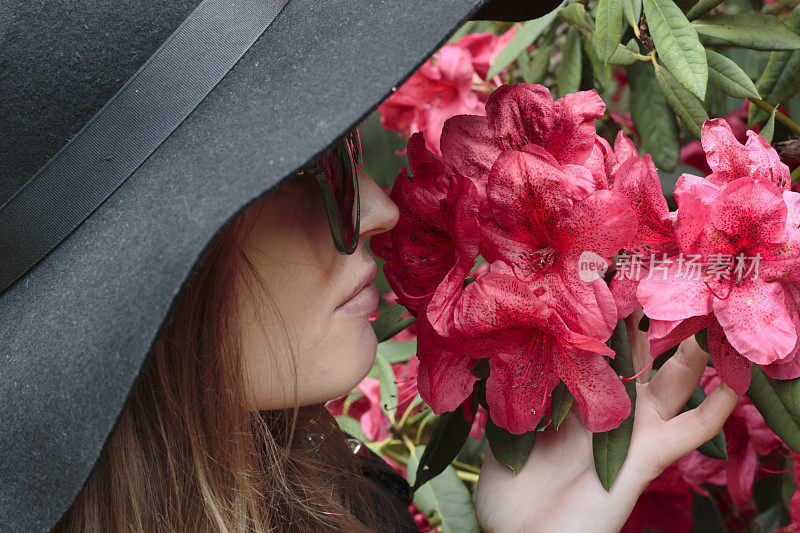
(187, 453)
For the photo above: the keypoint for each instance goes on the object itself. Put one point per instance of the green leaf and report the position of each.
(769, 128)
(716, 447)
(677, 44)
(632, 10)
(728, 77)
(522, 39)
(625, 55)
(601, 72)
(653, 117)
(448, 436)
(539, 64)
(568, 71)
(382, 371)
(610, 448)
(780, 80)
(398, 351)
(749, 30)
(445, 497)
(560, 402)
(701, 8)
(510, 449)
(575, 15)
(778, 401)
(384, 325)
(351, 426)
(609, 28)
(685, 104)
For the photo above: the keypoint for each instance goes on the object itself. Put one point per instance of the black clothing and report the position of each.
(386, 485)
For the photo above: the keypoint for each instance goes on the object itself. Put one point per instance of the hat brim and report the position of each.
(76, 330)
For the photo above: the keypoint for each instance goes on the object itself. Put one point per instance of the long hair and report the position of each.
(188, 452)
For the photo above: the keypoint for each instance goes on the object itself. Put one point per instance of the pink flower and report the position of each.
(747, 438)
(742, 210)
(443, 87)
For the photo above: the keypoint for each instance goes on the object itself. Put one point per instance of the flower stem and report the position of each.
(466, 467)
(467, 476)
(786, 121)
(396, 456)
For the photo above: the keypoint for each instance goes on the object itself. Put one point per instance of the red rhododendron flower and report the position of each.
(443, 87)
(521, 117)
(520, 185)
(747, 439)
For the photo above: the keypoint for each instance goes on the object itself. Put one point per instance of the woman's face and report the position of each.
(311, 313)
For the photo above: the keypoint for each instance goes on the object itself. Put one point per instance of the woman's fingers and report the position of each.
(689, 430)
(677, 379)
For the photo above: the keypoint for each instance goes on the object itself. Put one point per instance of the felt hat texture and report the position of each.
(76, 329)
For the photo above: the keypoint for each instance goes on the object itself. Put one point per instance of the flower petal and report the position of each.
(731, 367)
(752, 211)
(598, 391)
(468, 144)
(756, 321)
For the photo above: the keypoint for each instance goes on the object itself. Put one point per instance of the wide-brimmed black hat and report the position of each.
(131, 134)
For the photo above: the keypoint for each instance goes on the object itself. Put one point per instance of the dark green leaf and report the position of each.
(632, 10)
(382, 371)
(769, 128)
(716, 447)
(560, 402)
(685, 104)
(539, 64)
(509, 449)
(384, 325)
(728, 77)
(575, 15)
(522, 39)
(568, 71)
(609, 28)
(778, 401)
(448, 436)
(610, 448)
(780, 79)
(445, 496)
(749, 30)
(701, 8)
(702, 339)
(653, 117)
(677, 44)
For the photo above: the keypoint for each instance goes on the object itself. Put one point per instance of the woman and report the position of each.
(274, 324)
(223, 428)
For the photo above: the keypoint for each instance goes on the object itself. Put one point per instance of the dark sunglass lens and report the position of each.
(339, 165)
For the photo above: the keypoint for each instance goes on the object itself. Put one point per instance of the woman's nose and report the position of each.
(378, 212)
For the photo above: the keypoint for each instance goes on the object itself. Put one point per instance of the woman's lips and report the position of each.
(364, 302)
(364, 298)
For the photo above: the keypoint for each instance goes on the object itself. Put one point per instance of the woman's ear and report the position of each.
(515, 10)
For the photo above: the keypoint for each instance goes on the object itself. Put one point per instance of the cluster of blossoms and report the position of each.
(532, 189)
(742, 209)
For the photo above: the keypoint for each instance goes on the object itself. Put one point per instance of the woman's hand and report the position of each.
(558, 489)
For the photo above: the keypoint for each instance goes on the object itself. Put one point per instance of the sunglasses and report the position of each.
(337, 176)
